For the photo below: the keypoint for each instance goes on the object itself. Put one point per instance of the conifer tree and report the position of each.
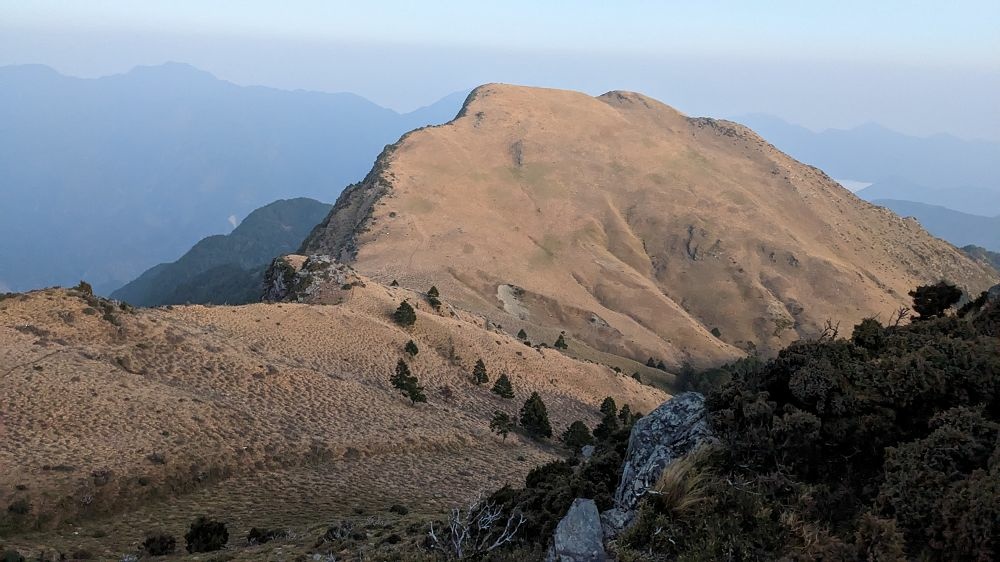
(411, 348)
(501, 424)
(609, 423)
(651, 362)
(432, 297)
(577, 435)
(407, 383)
(522, 335)
(404, 315)
(479, 375)
(535, 418)
(608, 407)
(560, 342)
(625, 415)
(503, 387)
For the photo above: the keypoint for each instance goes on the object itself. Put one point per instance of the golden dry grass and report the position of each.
(269, 415)
(634, 228)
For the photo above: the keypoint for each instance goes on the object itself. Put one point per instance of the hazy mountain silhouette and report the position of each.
(970, 200)
(961, 229)
(228, 268)
(875, 154)
(107, 177)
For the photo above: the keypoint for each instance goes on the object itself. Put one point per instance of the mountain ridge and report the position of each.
(476, 207)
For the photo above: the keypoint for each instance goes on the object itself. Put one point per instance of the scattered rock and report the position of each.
(578, 537)
(586, 452)
(666, 434)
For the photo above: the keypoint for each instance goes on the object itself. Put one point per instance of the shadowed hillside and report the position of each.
(228, 269)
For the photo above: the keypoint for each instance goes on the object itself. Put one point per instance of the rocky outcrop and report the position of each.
(666, 434)
(993, 295)
(295, 278)
(579, 537)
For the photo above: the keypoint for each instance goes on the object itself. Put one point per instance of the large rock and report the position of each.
(295, 278)
(666, 434)
(579, 536)
(993, 295)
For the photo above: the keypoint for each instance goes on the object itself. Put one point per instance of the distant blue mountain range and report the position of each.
(103, 178)
(872, 153)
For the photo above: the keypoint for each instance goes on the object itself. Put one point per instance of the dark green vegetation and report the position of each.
(411, 348)
(871, 448)
(159, 544)
(535, 417)
(479, 375)
(408, 384)
(404, 315)
(501, 424)
(577, 435)
(206, 535)
(502, 387)
(881, 446)
(228, 269)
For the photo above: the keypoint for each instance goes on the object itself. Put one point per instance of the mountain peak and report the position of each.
(637, 231)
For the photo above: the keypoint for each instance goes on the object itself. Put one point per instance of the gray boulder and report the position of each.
(659, 438)
(579, 536)
(993, 295)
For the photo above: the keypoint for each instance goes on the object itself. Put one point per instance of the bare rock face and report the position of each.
(666, 434)
(578, 537)
(993, 295)
(294, 278)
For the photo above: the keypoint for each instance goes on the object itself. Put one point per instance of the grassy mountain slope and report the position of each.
(228, 268)
(635, 229)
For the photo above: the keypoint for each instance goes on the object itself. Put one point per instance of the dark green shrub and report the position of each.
(11, 556)
(159, 544)
(479, 375)
(932, 301)
(206, 535)
(263, 536)
(405, 315)
(19, 507)
(560, 342)
(535, 418)
(501, 424)
(399, 509)
(408, 384)
(503, 387)
(577, 435)
(411, 348)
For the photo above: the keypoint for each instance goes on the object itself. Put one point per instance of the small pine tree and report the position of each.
(479, 375)
(394, 283)
(405, 315)
(637, 376)
(411, 348)
(560, 342)
(577, 435)
(503, 387)
(432, 298)
(501, 424)
(608, 407)
(408, 384)
(522, 335)
(535, 418)
(609, 423)
(651, 362)
(661, 366)
(625, 415)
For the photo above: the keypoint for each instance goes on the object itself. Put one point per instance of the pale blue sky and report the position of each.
(921, 67)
